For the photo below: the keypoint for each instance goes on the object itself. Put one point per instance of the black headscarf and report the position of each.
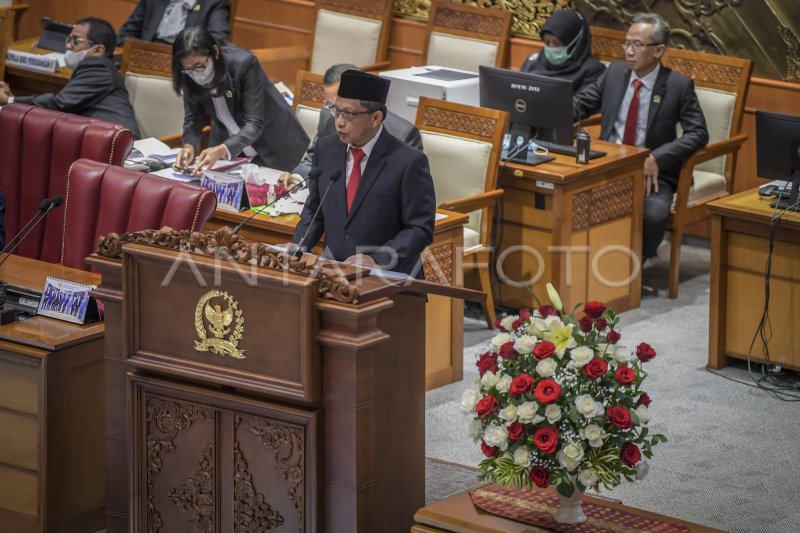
(581, 68)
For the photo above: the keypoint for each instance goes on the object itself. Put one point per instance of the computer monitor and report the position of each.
(539, 107)
(778, 153)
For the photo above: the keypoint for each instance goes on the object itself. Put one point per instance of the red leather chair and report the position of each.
(103, 198)
(37, 147)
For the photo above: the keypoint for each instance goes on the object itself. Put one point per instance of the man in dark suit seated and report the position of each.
(642, 103)
(381, 213)
(96, 89)
(394, 124)
(162, 20)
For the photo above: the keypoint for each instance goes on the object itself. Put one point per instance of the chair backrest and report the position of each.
(147, 69)
(308, 100)
(103, 199)
(721, 83)
(464, 37)
(607, 44)
(350, 31)
(38, 146)
(463, 145)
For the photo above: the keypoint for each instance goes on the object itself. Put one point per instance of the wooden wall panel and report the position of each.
(114, 11)
(406, 43)
(271, 23)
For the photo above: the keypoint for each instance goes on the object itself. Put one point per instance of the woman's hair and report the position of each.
(196, 40)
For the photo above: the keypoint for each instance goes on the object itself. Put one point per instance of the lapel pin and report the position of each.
(229, 94)
(197, 7)
(657, 99)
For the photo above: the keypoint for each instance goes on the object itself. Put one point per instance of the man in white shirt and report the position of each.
(162, 20)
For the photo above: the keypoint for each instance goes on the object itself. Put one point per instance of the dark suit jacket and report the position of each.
(214, 15)
(394, 207)
(95, 90)
(394, 124)
(267, 122)
(673, 101)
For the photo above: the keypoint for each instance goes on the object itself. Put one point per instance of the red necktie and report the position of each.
(355, 176)
(633, 116)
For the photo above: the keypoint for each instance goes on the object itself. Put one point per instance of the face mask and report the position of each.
(72, 58)
(556, 55)
(205, 76)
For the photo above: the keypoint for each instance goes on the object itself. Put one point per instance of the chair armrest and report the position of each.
(281, 53)
(173, 141)
(473, 203)
(714, 150)
(593, 120)
(375, 67)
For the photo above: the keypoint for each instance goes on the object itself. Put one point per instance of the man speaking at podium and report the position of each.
(382, 213)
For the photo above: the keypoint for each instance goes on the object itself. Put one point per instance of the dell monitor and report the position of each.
(539, 107)
(778, 154)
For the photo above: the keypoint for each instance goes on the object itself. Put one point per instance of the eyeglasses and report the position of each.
(637, 46)
(77, 40)
(348, 115)
(197, 69)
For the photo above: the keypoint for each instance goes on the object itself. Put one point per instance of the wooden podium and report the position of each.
(252, 397)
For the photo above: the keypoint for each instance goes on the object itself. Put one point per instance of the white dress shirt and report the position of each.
(224, 116)
(174, 19)
(367, 151)
(645, 95)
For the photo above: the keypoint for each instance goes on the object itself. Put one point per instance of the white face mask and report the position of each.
(205, 76)
(72, 58)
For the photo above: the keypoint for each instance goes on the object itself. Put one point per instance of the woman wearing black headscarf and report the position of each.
(567, 51)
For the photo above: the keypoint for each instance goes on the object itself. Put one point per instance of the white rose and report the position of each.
(509, 414)
(586, 405)
(553, 413)
(643, 413)
(622, 354)
(495, 435)
(537, 327)
(594, 434)
(508, 322)
(526, 412)
(500, 339)
(546, 367)
(587, 477)
(469, 399)
(475, 430)
(574, 451)
(503, 383)
(581, 355)
(522, 456)
(525, 344)
(642, 470)
(566, 462)
(552, 322)
(489, 380)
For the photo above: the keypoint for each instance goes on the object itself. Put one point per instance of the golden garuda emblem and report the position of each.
(221, 312)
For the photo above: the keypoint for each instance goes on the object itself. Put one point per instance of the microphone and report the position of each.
(313, 174)
(50, 205)
(334, 178)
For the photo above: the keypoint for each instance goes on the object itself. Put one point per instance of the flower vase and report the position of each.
(569, 508)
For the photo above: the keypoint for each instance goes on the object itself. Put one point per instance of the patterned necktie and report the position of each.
(632, 119)
(355, 176)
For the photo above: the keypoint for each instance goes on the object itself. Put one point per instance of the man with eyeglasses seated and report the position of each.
(642, 102)
(95, 89)
(394, 124)
(381, 212)
(161, 20)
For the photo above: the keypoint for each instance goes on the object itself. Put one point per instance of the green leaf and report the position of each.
(565, 489)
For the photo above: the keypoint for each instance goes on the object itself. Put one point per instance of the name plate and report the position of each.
(67, 300)
(31, 61)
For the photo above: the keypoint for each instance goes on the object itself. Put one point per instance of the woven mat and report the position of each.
(536, 507)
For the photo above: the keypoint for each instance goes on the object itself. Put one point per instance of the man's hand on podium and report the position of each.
(361, 260)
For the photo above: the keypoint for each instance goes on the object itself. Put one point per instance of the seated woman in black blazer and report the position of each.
(226, 87)
(567, 51)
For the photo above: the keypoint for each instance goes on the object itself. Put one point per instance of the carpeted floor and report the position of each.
(733, 456)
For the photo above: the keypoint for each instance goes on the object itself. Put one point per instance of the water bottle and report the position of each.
(582, 144)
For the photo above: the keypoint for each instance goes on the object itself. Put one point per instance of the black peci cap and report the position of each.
(357, 85)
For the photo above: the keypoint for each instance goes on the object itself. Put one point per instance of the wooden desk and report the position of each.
(24, 81)
(739, 251)
(52, 449)
(577, 226)
(458, 514)
(444, 336)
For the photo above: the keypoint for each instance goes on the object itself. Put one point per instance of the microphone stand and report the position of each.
(298, 253)
(56, 201)
(43, 206)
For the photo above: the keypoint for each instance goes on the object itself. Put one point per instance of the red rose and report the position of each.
(644, 399)
(613, 336)
(600, 324)
(594, 309)
(518, 323)
(543, 350)
(499, 326)
(487, 406)
(507, 351)
(547, 391)
(596, 368)
(487, 363)
(520, 385)
(489, 451)
(585, 323)
(619, 416)
(515, 431)
(645, 352)
(625, 375)
(524, 314)
(546, 439)
(540, 476)
(630, 454)
(547, 310)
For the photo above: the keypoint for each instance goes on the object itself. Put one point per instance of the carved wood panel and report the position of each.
(459, 20)
(459, 122)
(439, 263)
(601, 204)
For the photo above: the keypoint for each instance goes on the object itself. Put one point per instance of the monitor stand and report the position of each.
(792, 203)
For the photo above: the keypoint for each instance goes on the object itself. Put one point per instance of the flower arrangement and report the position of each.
(559, 401)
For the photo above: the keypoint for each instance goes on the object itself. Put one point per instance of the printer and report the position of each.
(442, 83)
